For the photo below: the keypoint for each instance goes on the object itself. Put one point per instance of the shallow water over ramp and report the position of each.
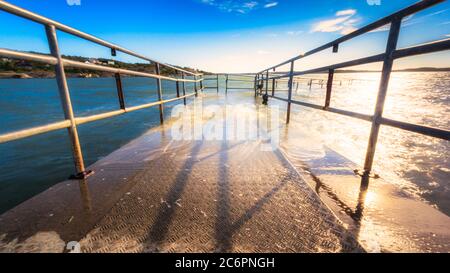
(219, 196)
(158, 194)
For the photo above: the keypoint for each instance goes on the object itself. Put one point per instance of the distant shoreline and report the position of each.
(21, 69)
(50, 75)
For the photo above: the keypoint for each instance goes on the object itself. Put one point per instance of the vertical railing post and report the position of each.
(273, 85)
(120, 91)
(226, 85)
(184, 88)
(290, 84)
(256, 84)
(158, 84)
(177, 84)
(195, 85)
(217, 80)
(267, 82)
(384, 83)
(329, 88)
(66, 102)
(201, 84)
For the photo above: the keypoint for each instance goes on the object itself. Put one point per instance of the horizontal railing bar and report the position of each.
(330, 109)
(431, 47)
(34, 131)
(80, 120)
(375, 25)
(365, 60)
(231, 80)
(70, 63)
(148, 105)
(420, 129)
(46, 21)
(83, 120)
(424, 130)
(238, 74)
(13, 54)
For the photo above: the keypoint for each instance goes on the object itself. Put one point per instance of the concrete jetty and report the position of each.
(157, 194)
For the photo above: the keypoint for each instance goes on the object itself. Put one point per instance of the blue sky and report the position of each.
(227, 35)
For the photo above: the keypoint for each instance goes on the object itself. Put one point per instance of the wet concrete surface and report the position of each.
(157, 194)
(382, 216)
(219, 197)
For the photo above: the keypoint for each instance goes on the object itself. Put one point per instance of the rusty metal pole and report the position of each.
(329, 88)
(66, 102)
(184, 88)
(384, 83)
(291, 80)
(158, 84)
(120, 91)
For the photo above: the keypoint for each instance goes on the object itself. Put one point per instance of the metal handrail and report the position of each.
(55, 58)
(10, 8)
(8, 53)
(388, 57)
(373, 26)
(430, 47)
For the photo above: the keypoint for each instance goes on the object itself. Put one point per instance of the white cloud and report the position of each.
(343, 23)
(239, 6)
(271, 5)
(250, 5)
(294, 33)
(262, 52)
(346, 12)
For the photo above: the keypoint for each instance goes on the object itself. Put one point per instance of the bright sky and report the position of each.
(227, 35)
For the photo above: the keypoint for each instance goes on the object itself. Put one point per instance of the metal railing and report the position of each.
(241, 78)
(55, 58)
(388, 57)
